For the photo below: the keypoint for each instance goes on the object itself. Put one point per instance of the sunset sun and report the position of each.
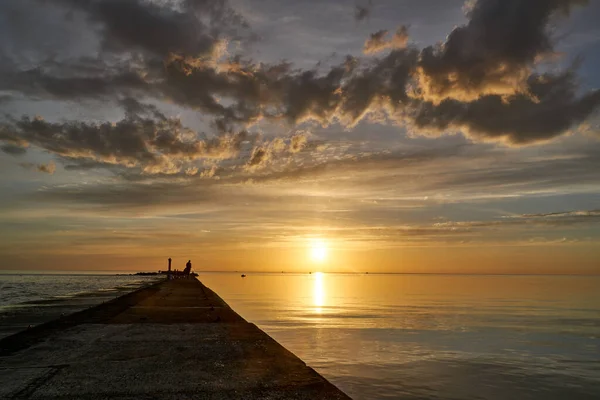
(318, 251)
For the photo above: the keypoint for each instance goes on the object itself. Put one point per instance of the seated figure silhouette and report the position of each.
(188, 268)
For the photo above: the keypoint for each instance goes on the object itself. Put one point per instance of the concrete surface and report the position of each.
(173, 340)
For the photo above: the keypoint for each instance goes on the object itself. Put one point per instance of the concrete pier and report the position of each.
(173, 340)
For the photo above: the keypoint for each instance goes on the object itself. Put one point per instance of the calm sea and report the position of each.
(30, 299)
(392, 336)
(432, 336)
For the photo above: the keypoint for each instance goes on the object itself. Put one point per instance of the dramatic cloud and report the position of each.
(136, 37)
(494, 53)
(482, 82)
(517, 119)
(85, 78)
(155, 145)
(380, 42)
(159, 28)
(379, 88)
(149, 143)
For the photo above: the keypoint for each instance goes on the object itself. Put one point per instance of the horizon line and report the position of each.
(130, 272)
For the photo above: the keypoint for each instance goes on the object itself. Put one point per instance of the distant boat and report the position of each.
(243, 275)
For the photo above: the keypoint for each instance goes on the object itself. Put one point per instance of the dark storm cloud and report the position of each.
(146, 143)
(256, 91)
(550, 109)
(154, 145)
(136, 38)
(481, 81)
(159, 28)
(494, 52)
(199, 85)
(534, 108)
(44, 82)
(308, 96)
(380, 87)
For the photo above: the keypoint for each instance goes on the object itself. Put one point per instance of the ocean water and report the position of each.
(432, 336)
(31, 299)
(389, 336)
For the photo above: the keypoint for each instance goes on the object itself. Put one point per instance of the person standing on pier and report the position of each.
(188, 268)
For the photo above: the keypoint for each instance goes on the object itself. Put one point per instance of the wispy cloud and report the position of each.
(48, 168)
(379, 41)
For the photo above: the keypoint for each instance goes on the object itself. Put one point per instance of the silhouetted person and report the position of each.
(188, 268)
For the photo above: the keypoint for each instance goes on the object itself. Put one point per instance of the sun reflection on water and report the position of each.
(318, 292)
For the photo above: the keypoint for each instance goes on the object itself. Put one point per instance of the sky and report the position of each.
(280, 135)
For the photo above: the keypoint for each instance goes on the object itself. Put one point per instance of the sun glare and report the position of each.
(318, 292)
(318, 251)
